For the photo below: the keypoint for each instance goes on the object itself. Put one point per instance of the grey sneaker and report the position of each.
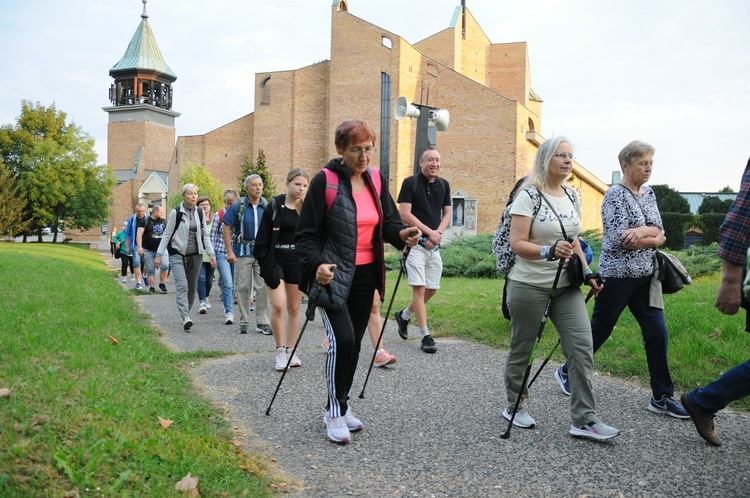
(229, 318)
(596, 429)
(187, 323)
(428, 344)
(352, 423)
(522, 418)
(280, 360)
(243, 328)
(336, 427)
(264, 329)
(403, 325)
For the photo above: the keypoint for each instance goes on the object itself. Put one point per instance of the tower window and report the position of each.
(266, 87)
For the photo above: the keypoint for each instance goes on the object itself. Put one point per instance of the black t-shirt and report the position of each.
(152, 232)
(427, 198)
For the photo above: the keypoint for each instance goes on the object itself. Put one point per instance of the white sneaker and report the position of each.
(208, 304)
(522, 418)
(597, 430)
(203, 308)
(352, 423)
(132, 278)
(295, 360)
(124, 280)
(336, 428)
(187, 323)
(279, 361)
(229, 318)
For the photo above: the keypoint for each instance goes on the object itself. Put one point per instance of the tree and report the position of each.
(49, 160)
(712, 204)
(207, 185)
(248, 168)
(12, 205)
(726, 190)
(669, 200)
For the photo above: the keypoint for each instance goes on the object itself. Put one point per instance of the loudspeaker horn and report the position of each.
(441, 118)
(403, 109)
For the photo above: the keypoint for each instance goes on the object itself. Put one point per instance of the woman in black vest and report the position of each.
(340, 244)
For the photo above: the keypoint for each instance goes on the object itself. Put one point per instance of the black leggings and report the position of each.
(345, 330)
(127, 262)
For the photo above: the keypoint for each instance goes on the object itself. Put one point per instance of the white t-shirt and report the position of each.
(545, 230)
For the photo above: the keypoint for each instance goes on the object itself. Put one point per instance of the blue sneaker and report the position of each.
(562, 379)
(668, 406)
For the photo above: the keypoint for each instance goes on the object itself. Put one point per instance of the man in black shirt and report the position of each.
(148, 239)
(424, 202)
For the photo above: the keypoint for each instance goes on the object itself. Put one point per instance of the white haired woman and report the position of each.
(185, 239)
(540, 211)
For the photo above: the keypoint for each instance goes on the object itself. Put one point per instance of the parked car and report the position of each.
(46, 231)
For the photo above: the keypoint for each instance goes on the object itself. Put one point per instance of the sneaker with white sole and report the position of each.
(403, 325)
(428, 344)
(203, 308)
(668, 406)
(522, 418)
(562, 379)
(280, 359)
(337, 429)
(383, 358)
(138, 286)
(264, 329)
(229, 318)
(124, 280)
(352, 423)
(596, 429)
(208, 303)
(163, 288)
(187, 323)
(295, 359)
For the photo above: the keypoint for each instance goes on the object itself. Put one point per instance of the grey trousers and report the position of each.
(185, 270)
(246, 278)
(570, 317)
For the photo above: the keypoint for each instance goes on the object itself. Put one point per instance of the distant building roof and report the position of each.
(143, 52)
(695, 199)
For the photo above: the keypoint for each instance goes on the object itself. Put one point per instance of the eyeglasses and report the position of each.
(563, 155)
(359, 150)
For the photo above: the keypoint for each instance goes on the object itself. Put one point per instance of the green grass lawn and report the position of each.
(83, 413)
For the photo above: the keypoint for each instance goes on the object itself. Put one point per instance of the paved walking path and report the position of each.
(432, 423)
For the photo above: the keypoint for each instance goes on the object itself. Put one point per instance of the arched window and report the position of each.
(265, 98)
(531, 125)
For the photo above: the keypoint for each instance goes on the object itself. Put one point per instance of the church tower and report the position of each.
(141, 133)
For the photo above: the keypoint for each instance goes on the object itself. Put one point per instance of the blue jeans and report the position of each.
(733, 384)
(226, 281)
(633, 293)
(205, 281)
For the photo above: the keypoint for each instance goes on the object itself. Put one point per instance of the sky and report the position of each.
(675, 74)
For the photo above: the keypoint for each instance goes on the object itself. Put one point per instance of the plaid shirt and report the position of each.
(735, 231)
(216, 237)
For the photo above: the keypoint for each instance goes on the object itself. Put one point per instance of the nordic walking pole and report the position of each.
(552, 293)
(382, 330)
(546, 360)
(308, 315)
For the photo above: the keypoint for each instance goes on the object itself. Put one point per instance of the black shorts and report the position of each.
(288, 266)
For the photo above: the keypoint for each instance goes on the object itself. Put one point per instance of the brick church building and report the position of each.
(494, 131)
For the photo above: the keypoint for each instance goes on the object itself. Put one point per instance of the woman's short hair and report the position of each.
(540, 170)
(633, 151)
(230, 194)
(353, 131)
(187, 187)
(202, 199)
(295, 172)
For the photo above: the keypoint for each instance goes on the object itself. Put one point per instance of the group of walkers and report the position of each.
(325, 238)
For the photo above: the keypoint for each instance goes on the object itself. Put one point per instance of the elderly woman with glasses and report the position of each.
(346, 217)
(545, 217)
(632, 232)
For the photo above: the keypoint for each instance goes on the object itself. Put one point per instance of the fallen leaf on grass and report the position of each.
(188, 483)
(113, 340)
(4, 392)
(273, 460)
(165, 423)
(313, 467)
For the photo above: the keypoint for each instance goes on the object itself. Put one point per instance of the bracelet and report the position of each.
(588, 272)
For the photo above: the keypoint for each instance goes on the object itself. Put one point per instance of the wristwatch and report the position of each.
(543, 252)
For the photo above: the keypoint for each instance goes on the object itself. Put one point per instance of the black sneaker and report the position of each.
(402, 325)
(243, 329)
(264, 329)
(428, 344)
(151, 290)
(163, 288)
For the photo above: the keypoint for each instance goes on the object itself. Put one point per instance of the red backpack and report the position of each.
(332, 184)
